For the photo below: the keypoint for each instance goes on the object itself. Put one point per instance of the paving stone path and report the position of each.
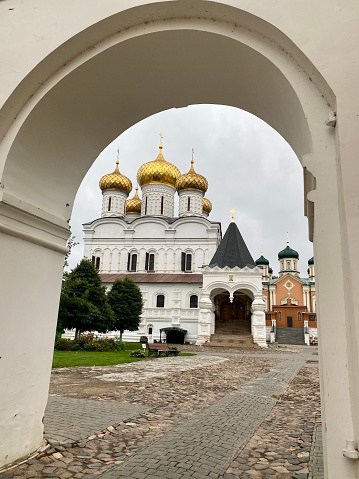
(70, 420)
(220, 416)
(203, 446)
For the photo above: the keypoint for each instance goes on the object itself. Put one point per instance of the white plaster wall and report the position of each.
(26, 358)
(196, 236)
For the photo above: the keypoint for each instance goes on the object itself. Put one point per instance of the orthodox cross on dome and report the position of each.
(161, 138)
(233, 212)
(118, 157)
(287, 239)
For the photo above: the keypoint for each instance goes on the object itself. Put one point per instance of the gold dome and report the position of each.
(133, 205)
(158, 171)
(206, 205)
(192, 181)
(116, 181)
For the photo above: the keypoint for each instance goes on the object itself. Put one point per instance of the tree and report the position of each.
(71, 243)
(125, 299)
(83, 301)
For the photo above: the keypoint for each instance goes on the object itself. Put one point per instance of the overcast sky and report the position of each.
(248, 165)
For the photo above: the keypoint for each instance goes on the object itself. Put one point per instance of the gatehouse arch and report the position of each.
(83, 85)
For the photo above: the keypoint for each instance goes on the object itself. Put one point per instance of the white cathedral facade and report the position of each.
(194, 283)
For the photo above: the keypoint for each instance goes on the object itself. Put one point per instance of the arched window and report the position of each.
(160, 301)
(162, 205)
(186, 262)
(109, 204)
(193, 301)
(132, 262)
(146, 205)
(288, 264)
(150, 262)
(189, 203)
(97, 263)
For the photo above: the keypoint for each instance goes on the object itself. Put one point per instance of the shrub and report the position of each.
(89, 342)
(137, 353)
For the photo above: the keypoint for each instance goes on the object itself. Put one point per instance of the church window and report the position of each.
(161, 205)
(146, 205)
(188, 204)
(268, 317)
(132, 262)
(109, 204)
(193, 301)
(288, 264)
(186, 262)
(97, 263)
(150, 262)
(299, 316)
(160, 301)
(312, 317)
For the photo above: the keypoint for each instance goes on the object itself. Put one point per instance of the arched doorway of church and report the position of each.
(232, 315)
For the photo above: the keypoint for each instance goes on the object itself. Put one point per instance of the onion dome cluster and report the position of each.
(133, 205)
(158, 171)
(116, 181)
(192, 181)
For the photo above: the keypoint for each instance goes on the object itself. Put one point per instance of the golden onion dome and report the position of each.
(158, 171)
(115, 181)
(133, 205)
(192, 181)
(206, 205)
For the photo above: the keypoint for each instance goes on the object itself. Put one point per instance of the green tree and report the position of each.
(125, 299)
(71, 243)
(83, 301)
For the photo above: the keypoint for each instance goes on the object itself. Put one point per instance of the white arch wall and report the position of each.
(40, 176)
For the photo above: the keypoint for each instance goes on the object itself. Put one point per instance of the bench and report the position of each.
(161, 348)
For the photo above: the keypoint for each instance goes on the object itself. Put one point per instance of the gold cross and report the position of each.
(233, 212)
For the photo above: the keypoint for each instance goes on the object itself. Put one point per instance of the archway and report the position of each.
(86, 90)
(232, 315)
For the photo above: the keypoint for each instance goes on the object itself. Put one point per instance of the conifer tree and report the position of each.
(83, 302)
(125, 299)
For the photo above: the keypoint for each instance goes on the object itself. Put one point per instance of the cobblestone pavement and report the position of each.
(316, 454)
(198, 422)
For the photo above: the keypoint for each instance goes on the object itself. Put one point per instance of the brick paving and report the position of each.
(70, 420)
(225, 415)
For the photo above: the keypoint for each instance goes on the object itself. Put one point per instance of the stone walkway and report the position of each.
(233, 415)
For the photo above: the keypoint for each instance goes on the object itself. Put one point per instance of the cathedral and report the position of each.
(198, 287)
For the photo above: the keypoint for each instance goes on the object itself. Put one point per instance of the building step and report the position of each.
(290, 336)
(232, 341)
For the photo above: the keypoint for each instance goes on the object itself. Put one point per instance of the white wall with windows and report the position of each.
(151, 244)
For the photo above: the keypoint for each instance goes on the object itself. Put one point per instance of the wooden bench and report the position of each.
(161, 348)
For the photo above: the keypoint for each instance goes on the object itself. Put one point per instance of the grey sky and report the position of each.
(248, 165)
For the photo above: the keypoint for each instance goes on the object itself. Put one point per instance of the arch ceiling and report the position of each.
(132, 77)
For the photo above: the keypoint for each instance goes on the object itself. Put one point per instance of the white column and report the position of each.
(205, 321)
(258, 323)
(31, 258)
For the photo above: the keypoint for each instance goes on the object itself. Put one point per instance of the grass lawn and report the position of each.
(67, 359)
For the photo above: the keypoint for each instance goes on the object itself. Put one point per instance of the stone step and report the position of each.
(235, 341)
(290, 336)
